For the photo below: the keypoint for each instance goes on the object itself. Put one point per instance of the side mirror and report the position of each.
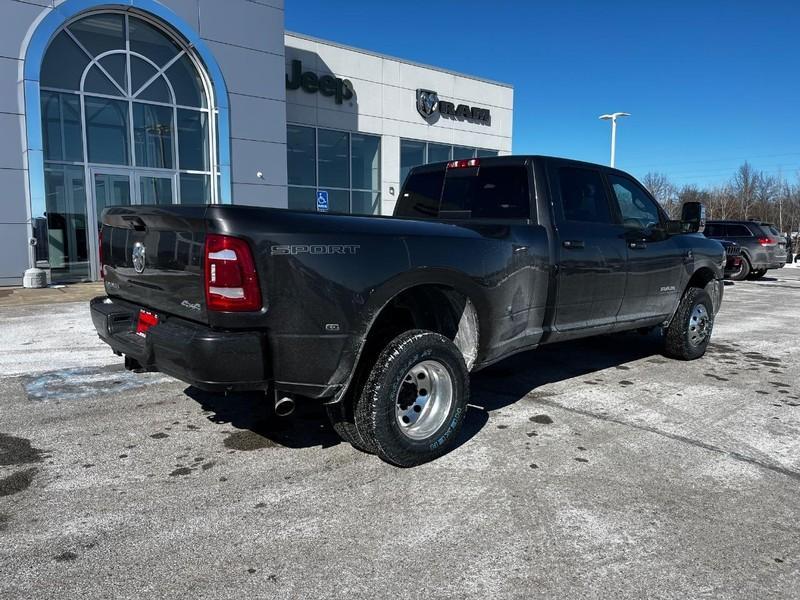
(693, 217)
(674, 227)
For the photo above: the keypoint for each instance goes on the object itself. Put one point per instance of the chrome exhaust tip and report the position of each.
(284, 406)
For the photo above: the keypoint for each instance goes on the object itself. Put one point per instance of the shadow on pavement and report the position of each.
(252, 412)
(511, 380)
(493, 388)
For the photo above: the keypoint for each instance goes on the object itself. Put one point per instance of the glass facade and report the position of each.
(125, 108)
(346, 165)
(414, 153)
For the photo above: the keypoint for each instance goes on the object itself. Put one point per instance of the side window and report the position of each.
(637, 209)
(713, 230)
(738, 231)
(421, 194)
(583, 195)
(487, 193)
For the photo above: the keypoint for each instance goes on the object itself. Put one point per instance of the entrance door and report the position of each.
(124, 187)
(109, 187)
(154, 188)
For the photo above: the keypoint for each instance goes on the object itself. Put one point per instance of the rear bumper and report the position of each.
(205, 358)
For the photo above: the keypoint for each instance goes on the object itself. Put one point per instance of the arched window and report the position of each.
(126, 119)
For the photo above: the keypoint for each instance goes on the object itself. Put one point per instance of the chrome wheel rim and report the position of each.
(700, 323)
(424, 399)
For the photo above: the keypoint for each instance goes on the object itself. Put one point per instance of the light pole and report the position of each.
(613, 118)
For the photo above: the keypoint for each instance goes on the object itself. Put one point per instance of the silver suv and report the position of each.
(763, 246)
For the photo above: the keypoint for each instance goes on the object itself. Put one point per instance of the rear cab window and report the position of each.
(494, 192)
(421, 194)
(486, 192)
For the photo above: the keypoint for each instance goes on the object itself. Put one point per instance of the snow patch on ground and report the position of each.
(50, 337)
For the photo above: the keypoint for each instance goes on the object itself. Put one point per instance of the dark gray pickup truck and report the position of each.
(383, 318)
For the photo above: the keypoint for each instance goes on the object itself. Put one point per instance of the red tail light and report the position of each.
(765, 241)
(463, 164)
(231, 278)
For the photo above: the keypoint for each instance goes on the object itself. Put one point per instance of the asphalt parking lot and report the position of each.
(591, 469)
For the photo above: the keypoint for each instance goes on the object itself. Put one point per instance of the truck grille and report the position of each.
(733, 250)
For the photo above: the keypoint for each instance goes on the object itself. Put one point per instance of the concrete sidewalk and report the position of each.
(16, 296)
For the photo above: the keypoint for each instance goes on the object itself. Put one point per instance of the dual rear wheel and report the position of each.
(411, 405)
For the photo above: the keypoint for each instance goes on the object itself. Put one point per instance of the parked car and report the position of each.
(383, 318)
(733, 258)
(762, 245)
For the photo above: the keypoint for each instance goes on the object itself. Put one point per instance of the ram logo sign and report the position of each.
(428, 103)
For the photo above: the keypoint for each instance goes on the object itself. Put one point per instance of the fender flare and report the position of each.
(380, 298)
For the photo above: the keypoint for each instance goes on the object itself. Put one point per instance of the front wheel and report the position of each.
(757, 274)
(743, 272)
(415, 398)
(689, 332)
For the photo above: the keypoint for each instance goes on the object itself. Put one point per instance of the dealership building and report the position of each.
(207, 101)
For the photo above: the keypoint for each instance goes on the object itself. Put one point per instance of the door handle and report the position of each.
(637, 245)
(573, 244)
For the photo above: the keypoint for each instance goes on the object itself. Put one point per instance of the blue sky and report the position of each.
(709, 84)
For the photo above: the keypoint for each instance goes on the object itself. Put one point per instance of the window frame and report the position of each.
(616, 209)
(426, 152)
(349, 189)
(214, 170)
(554, 179)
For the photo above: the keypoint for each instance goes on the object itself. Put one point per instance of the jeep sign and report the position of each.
(327, 85)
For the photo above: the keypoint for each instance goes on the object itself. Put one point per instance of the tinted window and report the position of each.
(301, 155)
(438, 153)
(107, 131)
(583, 197)
(714, 230)
(487, 193)
(461, 152)
(193, 139)
(332, 158)
(420, 195)
(737, 231)
(366, 161)
(637, 209)
(412, 154)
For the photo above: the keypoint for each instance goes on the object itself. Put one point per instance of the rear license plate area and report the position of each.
(145, 321)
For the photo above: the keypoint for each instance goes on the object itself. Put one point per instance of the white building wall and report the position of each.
(385, 103)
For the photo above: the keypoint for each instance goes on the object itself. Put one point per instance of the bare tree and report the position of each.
(664, 191)
(744, 184)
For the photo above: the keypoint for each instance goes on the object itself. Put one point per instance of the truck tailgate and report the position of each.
(153, 256)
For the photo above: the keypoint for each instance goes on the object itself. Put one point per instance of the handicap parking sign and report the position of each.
(322, 201)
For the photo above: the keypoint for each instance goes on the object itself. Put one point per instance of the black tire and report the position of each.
(757, 274)
(404, 365)
(341, 417)
(743, 272)
(681, 339)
